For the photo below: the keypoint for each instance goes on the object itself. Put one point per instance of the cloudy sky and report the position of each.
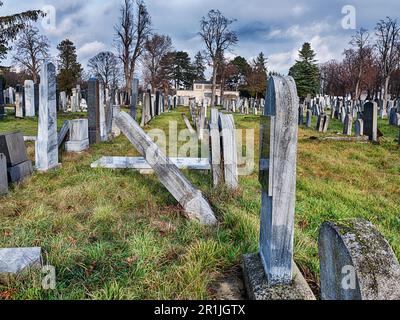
(276, 27)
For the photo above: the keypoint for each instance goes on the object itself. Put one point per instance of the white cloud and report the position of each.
(91, 49)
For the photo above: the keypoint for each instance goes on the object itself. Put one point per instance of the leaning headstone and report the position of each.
(371, 120)
(93, 111)
(12, 145)
(46, 147)
(15, 261)
(359, 128)
(273, 274)
(29, 98)
(3, 175)
(78, 136)
(229, 149)
(191, 199)
(356, 263)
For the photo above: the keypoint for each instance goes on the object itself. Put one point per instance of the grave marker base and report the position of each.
(257, 285)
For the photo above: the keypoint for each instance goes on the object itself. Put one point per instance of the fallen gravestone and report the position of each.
(357, 263)
(271, 274)
(190, 198)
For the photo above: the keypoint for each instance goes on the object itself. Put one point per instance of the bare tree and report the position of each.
(105, 66)
(30, 51)
(360, 41)
(132, 31)
(214, 29)
(156, 48)
(388, 46)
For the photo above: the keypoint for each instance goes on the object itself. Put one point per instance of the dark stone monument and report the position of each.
(36, 93)
(12, 145)
(93, 111)
(371, 120)
(158, 103)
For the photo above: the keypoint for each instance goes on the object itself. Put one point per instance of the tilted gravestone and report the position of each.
(308, 118)
(3, 175)
(93, 111)
(46, 147)
(371, 120)
(278, 278)
(357, 263)
(190, 198)
(322, 123)
(12, 145)
(29, 98)
(78, 136)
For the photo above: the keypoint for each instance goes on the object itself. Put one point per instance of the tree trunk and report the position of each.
(214, 84)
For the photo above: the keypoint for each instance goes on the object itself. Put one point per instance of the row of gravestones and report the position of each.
(366, 123)
(356, 262)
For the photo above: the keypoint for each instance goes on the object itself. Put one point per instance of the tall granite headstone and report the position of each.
(47, 140)
(93, 111)
(29, 98)
(371, 120)
(134, 97)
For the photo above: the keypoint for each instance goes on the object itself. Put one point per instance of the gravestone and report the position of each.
(19, 102)
(29, 98)
(348, 125)
(190, 198)
(359, 128)
(78, 136)
(102, 113)
(308, 118)
(215, 145)
(229, 149)
(278, 152)
(322, 123)
(46, 146)
(134, 97)
(93, 111)
(36, 94)
(12, 145)
(2, 102)
(74, 100)
(3, 175)
(301, 115)
(63, 101)
(371, 120)
(356, 263)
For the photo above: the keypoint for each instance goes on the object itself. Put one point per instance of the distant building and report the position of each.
(203, 89)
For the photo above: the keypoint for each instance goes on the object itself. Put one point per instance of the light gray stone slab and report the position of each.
(3, 175)
(14, 261)
(139, 163)
(191, 199)
(47, 141)
(278, 144)
(215, 143)
(187, 123)
(357, 263)
(29, 98)
(62, 135)
(77, 146)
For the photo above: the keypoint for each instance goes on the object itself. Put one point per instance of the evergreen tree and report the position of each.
(11, 25)
(69, 69)
(199, 67)
(257, 77)
(305, 72)
(183, 72)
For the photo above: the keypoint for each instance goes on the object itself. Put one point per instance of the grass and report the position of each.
(121, 235)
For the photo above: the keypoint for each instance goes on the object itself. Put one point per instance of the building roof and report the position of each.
(202, 82)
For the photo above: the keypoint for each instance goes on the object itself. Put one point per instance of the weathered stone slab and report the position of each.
(308, 118)
(12, 145)
(191, 199)
(357, 263)
(257, 286)
(215, 144)
(46, 146)
(139, 163)
(371, 120)
(359, 128)
(62, 135)
(15, 261)
(3, 175)
(20, 171)
(93, 111)
(229, 149)
(29, 98)
(278, 157)
(348, 125)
